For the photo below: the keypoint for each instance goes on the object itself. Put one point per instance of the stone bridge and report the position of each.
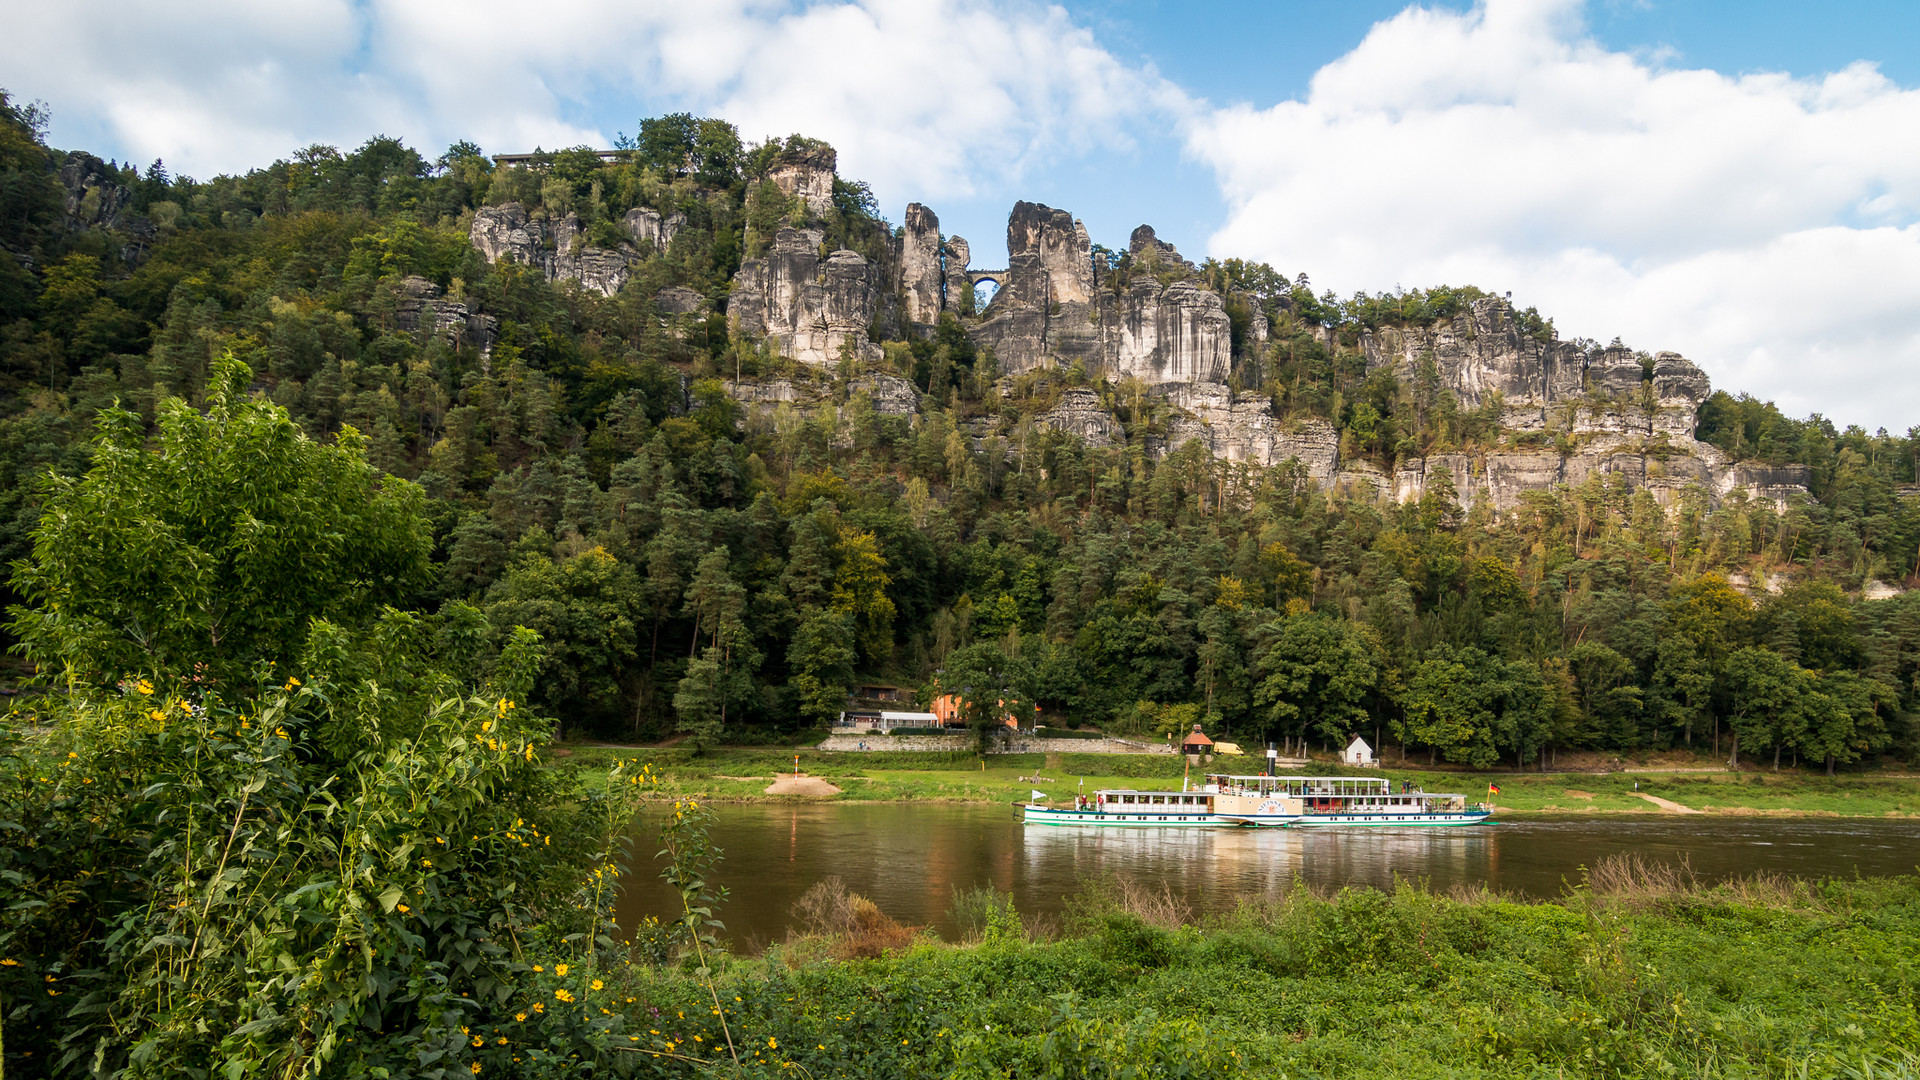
(998, 277)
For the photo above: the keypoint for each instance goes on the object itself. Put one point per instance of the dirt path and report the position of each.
(1669, 805)
(789, 784)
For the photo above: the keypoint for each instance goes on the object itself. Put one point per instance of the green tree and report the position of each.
(1473, 708)
(821, 659)
(1769, 698)
(722, 661)
(592, 609)
(1847, 718)
(1316, 674)
(990, 685)
(860, 590)
(216, 547)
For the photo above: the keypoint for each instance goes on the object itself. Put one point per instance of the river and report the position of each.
(908, 858)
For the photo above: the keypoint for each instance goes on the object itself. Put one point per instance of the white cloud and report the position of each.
(923, 99)
(1764, 225)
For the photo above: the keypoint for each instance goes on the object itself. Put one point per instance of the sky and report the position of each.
(1738, 182)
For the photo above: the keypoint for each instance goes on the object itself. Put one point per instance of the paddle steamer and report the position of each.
(1265, 802)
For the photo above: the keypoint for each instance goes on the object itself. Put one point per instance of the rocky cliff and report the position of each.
(1545, 384)
(1569, 411)
(923, 278)
(558, 248)
(806, 173)
(421, 307)
(812, 307)
(1152, 321)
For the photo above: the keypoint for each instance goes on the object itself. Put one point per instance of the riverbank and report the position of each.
(746, 775)
(1639, 971)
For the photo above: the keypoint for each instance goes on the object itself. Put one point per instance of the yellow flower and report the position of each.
(486, 726)
(476, 1065)
(539, 967)
(529, 751)
(478, 1041)
(563, 994)
(156, 715)
(771, 1044)
(292, 682)
(520, 1016)
(9, 962)
(404, 909)
(560, 970)
(144, 687)
(282, 732)
(597, 985)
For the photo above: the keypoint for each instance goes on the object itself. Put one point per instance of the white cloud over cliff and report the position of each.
(1764, 225)
(923, 99)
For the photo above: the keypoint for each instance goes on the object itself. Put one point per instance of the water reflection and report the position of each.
(909, 859)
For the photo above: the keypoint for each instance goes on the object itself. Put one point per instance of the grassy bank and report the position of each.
(878, 776)
(1639, 973)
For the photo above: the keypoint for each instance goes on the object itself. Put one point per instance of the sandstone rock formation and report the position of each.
(1546, 385)
(891, 395)
(807, 173)
(558, 249)
(1080, 412)
(1049, 309)
(678, 300)
(1241, 427)
(421, 307)
(811, 307)
(1587, 412)
(922, 279)
(959, 286)
(96, 199)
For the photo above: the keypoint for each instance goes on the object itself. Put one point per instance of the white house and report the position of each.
(1357, 753)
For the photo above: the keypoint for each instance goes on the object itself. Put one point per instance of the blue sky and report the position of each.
(1738, 182)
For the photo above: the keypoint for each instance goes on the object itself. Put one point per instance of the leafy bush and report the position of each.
(256, 882)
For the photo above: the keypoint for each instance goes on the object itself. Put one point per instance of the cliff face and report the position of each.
(1606, 411)
(812, 307)
(421, 307)
(1151, 316)
(923, 280)
(1160, 325)
(1545, 385)
(558, 248)
(807, 174)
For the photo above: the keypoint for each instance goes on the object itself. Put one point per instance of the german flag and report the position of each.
(1493, 789)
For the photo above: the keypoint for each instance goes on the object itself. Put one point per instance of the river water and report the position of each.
(908, 858)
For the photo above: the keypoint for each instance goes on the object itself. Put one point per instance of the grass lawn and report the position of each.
(741, 774)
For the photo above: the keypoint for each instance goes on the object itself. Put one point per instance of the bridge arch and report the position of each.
(985, 284)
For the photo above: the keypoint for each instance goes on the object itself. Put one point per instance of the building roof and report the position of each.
(1196, 738)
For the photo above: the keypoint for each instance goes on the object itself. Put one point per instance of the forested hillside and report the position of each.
(704, 558)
